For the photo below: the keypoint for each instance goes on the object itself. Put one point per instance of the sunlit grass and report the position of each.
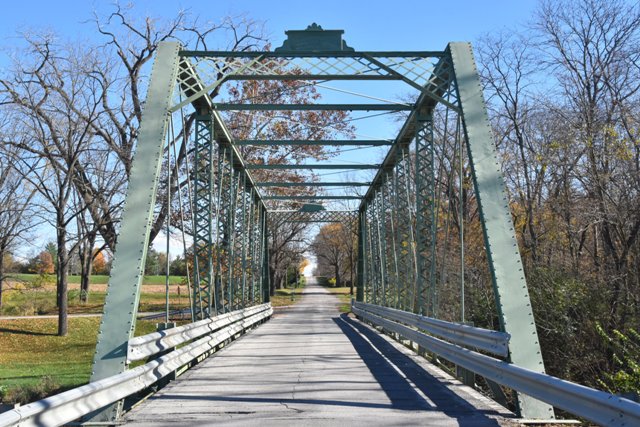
(30, 351)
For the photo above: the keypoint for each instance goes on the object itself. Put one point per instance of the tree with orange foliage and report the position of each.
(303, 264)
(100, 265)
(42, 263)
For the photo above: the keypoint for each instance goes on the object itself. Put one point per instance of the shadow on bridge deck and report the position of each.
(312, 366)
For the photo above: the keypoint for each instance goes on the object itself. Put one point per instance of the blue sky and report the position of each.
(368, 25)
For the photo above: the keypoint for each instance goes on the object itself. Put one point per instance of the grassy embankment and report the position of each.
(35, 363)
(288, 296)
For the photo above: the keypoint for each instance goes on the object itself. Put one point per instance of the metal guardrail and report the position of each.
(155, 342)
(597, 406)
(172, 313)
(493, 342)
(73, 404)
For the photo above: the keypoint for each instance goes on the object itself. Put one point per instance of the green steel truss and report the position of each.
(204, 201)
(396, 221)
(425, 219)
(345, 217)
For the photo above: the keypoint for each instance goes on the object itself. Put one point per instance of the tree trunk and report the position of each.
(1, 275)
(272, 281)
(337, 271)
(85, 279)
(86, 267)
(61, 279)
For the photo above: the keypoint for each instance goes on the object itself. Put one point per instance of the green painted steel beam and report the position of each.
(327, 142)
(319, 166)
(276, 212)
(191, 84)
(312, 107)
(123, 291)
(316, 77)
(360, 259)
(312, 54)
(312, 184)
(424, 105)
(311, 197)
(203, 184)
(505, 264)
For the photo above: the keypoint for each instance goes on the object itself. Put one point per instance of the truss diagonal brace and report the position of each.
(510, 286)
(413, 84)
(206, 90)
(123, 292)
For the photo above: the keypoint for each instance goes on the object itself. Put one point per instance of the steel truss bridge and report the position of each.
(233, 205)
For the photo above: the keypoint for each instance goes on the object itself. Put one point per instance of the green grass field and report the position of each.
(35, 363)
(23, 300)
(43, 302)
(31, 351)
(99, 279)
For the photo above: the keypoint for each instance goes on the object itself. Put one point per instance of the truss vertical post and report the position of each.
(123, 292)
(203, 203)
(227, 177)
(240, 234)
(404, 224)
(361, 263)
(250, 254)
(387, 192)
(231, 233)
(256, 257)
(505, 264)
(266, 286)
(383, 288)
(425, 217)
(223, 182)
(375, 266)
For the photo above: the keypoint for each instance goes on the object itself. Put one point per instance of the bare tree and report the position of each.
(334, 247)
(16, 218)
(286, 247)
(53, 137)
(593, 49)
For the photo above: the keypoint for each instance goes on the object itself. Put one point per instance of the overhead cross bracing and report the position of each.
(289, 130)
(204, 72)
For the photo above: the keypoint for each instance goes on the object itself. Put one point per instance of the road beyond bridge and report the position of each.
(310, 365)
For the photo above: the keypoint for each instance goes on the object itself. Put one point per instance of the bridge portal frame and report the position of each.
(406, 281)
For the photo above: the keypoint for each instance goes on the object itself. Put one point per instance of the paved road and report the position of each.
(310, 365)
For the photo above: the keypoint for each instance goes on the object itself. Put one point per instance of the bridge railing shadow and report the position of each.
(397, 375)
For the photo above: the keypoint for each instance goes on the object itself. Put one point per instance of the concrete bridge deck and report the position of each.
(310, 365)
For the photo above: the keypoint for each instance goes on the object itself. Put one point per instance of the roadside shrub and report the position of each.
(625, 376)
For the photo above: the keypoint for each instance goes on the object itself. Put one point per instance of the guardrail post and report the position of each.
(505, 265)
(123, 292)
